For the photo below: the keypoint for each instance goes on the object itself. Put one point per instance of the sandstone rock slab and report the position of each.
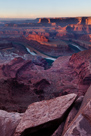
(80, 127)
(45, 116)
(81, 124)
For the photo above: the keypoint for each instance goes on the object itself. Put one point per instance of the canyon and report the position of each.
(44, 33)
(45, 77)
(25, 82)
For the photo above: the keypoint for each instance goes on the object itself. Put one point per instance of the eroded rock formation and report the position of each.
(36, 37)
(77, 20)
(26, 81)
(23, 82)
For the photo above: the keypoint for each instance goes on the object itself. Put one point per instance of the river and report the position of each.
(76, 47)
(33, 51)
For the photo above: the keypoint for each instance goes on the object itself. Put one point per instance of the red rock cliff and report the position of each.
(36, 37)
(75, 20)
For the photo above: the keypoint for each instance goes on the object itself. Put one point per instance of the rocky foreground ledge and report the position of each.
(40, 119)
(62, 116)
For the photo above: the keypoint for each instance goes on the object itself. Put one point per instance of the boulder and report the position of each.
(87, 98)
(42, 118)
(73, 112)
(81, 124)
(87, 112)
(80, 127)
(8, 122)
(64, 125)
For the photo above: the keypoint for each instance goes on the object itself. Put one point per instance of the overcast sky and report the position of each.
(44, 8)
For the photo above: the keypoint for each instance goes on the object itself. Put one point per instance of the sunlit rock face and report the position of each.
(58, 20)
(77, 20)
(37, 37)
(45, 20)
(88, 21)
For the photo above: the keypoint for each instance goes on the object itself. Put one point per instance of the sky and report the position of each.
(44, 8)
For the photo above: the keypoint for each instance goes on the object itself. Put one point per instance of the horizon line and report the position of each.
(41, 17)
